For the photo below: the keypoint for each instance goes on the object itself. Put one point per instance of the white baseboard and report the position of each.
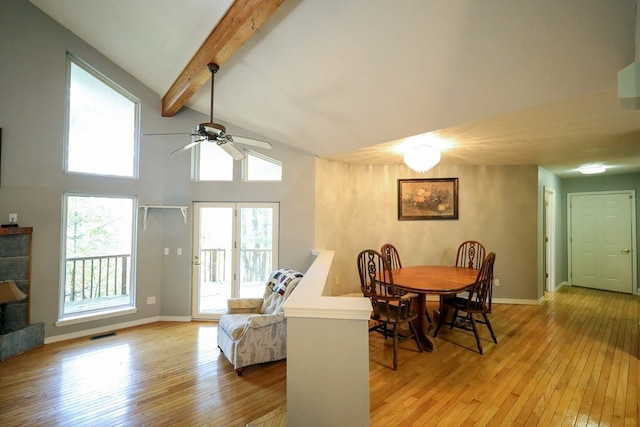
(110, 328)
(175, 318)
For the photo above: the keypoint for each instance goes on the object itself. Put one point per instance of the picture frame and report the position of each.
(427, 199)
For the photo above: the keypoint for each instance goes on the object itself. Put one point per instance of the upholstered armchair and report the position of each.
(254, 330)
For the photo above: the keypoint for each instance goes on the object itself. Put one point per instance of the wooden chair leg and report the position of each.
(440, 323)
(486, 320)
(415, 335)
(475, 334)
(453, 318)
(395, 346)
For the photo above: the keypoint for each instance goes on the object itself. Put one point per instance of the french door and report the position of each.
(235, 249)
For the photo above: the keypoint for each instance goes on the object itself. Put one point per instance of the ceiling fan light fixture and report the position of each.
(422, 157)
(592, 169)
(211, 129)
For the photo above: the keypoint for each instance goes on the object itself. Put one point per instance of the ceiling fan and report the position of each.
(215, 132)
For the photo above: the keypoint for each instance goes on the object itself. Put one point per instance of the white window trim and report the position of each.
(113, 85)
(245, 166)
(106, 314)
(91, 315)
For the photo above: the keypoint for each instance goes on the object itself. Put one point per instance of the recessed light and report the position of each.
(592, 169)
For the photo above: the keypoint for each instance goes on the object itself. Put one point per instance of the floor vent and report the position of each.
(108, 334)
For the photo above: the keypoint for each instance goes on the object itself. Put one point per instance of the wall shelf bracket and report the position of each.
(183, 210)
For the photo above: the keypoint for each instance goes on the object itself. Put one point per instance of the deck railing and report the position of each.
(97, 277)
(212, 265)
(256, 264)
(107, 276)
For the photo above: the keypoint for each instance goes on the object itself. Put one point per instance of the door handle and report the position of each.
(196, 261)
(625, 251)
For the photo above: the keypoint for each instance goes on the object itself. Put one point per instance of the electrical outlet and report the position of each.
(166, 251)
(13, 218)
(179, 251)
(151, 300)
(496, 282)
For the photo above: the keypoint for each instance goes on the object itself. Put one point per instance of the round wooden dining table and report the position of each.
(432, 279)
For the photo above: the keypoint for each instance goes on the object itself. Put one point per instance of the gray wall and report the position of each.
(32, 181)
(547, 180)
(600, 183)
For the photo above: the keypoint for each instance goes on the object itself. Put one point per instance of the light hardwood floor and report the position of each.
(571, 361)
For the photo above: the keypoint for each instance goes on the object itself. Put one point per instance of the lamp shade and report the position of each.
(10, 292)
(421, 157)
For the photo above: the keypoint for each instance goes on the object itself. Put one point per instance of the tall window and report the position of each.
(98, 255)
(102, 128)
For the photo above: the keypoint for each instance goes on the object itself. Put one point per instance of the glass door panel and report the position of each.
(213, 259)
(235, 247)
(257, 244)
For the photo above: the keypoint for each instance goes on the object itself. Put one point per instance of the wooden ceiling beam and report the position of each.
(243, 18)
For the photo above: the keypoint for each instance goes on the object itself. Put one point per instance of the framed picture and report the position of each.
(420, 199)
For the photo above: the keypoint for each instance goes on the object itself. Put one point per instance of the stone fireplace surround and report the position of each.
(15, 264)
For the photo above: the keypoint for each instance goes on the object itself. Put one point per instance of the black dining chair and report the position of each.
(471, 254)
(390, 253)
(390, 305)
(478, 304)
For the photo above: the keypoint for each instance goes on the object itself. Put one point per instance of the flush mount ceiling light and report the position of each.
(592, 169)
(421, 157)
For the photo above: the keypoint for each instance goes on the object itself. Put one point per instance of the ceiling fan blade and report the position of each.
(231, 150)
(249, 141)
(188, 146)
(166, 134)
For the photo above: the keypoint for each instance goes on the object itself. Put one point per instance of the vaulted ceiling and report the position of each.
(505, 83)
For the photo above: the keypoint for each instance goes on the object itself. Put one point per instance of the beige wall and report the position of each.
(356, 208)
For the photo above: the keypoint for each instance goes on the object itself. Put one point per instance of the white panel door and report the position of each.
(601, 241)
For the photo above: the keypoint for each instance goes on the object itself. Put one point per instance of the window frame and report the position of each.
(74, 60)
(245, 166)
(96, 313)
(197, 163)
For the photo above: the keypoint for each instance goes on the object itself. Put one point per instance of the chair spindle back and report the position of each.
(390, 253)
(376, 283)
(481, 293)
(470, 254)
